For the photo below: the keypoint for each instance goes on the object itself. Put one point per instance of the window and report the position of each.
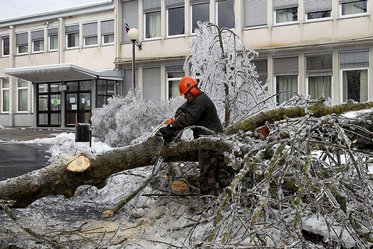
(354, 66)
(22, 95)
(261, 67)
(72, 36)
(22, 43)
(130, 10)
(53, 39)
(105, 90)
(152, 10)
(255, 13)
(90, 34)
(5, 46)
(200, 13)
(350, 7)
(355, 85)
(285, 11)
(152, 84)
(175, 20)
(107, 32)
(5, 94)
(317, 9)
(225, 13)
(286, 78)
(37, 38)
(319, 75)
(174, 75)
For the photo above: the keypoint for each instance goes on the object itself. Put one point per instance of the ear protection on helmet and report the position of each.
(194, 91)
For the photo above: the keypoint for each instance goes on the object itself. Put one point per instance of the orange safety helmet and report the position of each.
(187, 83)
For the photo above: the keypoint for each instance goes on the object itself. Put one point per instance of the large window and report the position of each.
(317, 9)
(105, 90)
(349, 7)
(255, 13)
(200, 13)
(319, 75)
(22, 95)
(225, 13)
(90, 34)
(22, 43)
(286, 78)
(152, 10)
(53, 39)
(37, 38)
(107, 32)
(72, 36)
(175, 20)
(4, 94)
(285, 11)
(354, 66)
(5, 46)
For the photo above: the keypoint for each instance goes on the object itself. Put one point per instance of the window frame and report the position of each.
(287, 22)
(3, 46)
(3, 90)
(168, 21)
(107, 35)
(352, 15)
(50, 43)
(41, 45)
(22, 88)
(168, 80)
(92, 37)
(191, 15)
(342, 70)
(217, 13)
(145, 26)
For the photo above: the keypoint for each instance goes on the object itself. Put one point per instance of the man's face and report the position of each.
(189, 97)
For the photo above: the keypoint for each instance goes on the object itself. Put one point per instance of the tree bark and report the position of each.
(65, 176)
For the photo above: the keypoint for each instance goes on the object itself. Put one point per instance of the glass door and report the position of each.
(78, 102)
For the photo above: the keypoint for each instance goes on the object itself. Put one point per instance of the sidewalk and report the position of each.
(31, 133)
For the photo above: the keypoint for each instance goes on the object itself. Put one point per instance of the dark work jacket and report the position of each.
(201, 112)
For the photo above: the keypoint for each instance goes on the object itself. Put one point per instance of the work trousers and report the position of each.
(214, 174)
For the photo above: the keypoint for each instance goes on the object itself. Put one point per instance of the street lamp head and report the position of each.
(133, 34)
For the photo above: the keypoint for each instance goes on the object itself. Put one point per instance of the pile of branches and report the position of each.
(304, 185)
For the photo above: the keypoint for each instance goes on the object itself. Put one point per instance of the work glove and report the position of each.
(168, 133)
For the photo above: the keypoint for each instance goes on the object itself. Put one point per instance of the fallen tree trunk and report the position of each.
(63, 177)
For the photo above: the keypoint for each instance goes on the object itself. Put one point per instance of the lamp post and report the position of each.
(133, 35)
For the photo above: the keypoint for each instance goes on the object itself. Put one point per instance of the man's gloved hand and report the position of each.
(167, 133)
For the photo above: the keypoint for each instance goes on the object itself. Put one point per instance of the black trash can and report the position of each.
(82, 132)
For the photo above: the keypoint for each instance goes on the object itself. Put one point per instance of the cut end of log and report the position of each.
(108, 213)
(79, 164)
(180, 185)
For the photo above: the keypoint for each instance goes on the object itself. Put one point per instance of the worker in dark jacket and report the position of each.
(199, 110)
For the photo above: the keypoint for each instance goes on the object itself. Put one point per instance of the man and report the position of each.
(199, 110)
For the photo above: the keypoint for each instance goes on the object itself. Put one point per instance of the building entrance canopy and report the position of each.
(61, 72)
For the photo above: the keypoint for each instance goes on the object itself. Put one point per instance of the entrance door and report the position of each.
(48, 104)
(78, 102)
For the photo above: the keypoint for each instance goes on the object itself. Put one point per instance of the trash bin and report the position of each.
(82, 132)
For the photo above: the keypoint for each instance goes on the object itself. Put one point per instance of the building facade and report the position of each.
(52, 64)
